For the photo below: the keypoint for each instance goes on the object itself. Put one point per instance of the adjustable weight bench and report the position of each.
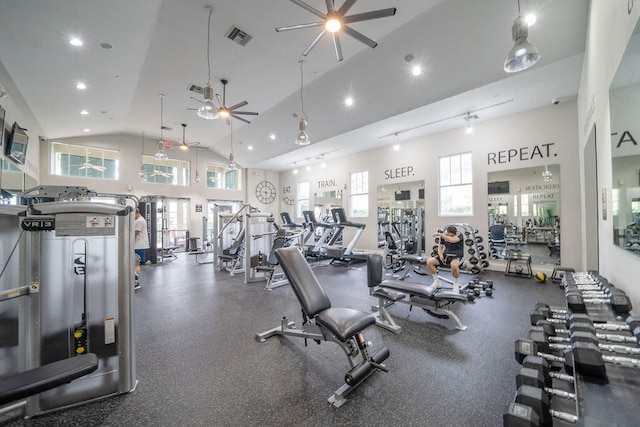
(389, 292)
(36, 380)
(322, 322)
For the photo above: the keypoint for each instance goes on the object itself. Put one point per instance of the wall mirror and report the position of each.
(401, 215)
(624, 102)
(324, 201)
(527, 202)
(590, 168)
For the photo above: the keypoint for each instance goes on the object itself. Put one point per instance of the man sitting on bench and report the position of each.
(450, 252)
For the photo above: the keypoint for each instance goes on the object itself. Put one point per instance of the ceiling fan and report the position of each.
(227, 112)
(87, 165)
(164, 174)
(335, 21)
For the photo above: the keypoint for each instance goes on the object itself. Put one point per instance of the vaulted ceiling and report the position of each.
(136, 50)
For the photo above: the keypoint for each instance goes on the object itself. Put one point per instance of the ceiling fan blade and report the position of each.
(345, 7)
(309, 8)
(359, 36)
(314, 42)
(382, 13)
(337, 46)
(192, 109)
(250, 113)
(297, 27)
(238, 105)
(241, 119)
(330, 9)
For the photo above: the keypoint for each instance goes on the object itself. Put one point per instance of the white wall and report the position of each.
(610, 26)
(553, 130)
(129, 182)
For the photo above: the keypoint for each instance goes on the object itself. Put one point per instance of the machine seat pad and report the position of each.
(265, 268)
(447, 295)
(344, 322)
(410, 288)
(51, 375)
(389, 294)
(412, 259)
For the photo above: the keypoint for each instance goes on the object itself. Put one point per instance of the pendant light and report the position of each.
(161, 155)
(523, 54)
(141, 173)
(183, 144)
(207, 110)
(196, 179)
(302, 138)
(232, 163)
(547, 175)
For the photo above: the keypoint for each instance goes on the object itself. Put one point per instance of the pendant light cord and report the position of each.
(301, 85)
(161, 118)
(231, 142)
(208, 45)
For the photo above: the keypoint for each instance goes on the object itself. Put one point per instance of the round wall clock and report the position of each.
(265, 192)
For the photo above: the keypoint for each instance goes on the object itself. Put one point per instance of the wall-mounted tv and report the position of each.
(499, 187)
(17, 144)
(420, 193)
(403, 195)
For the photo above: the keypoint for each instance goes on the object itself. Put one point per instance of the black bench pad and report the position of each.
(412, 259)
(422, 290)
(344, 322)
(33, 381)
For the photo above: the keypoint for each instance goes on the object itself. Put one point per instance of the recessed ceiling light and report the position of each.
(348, 101)
(81, 86)
(75, 42)
(295, 171)
(249, 147)
(86, 130)
(272, 136)
(84, 112)
(531, 19)
(416, 71)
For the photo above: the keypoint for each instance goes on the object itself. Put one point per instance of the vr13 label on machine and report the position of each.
(38, 224)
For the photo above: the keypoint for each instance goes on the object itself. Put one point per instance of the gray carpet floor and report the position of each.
(199, 363)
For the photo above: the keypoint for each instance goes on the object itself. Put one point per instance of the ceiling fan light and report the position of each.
(333, 24)
(224, 113)
(523, 54)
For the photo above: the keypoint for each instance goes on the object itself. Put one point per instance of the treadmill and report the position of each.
(344, 254)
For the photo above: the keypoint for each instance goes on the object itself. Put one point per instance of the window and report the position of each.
(359, 194)
(83, 161)
(456, 190)
(303, 198)
(169, 172)
(224, 178)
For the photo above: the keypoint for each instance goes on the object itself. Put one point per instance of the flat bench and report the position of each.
(389, 292)
(198, 253)
(36, 380)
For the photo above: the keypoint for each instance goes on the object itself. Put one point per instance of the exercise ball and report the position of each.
(541, 277)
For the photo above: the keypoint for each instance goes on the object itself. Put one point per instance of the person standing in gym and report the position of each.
(141, 244)
(450, 252)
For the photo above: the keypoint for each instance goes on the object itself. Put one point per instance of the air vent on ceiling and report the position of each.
(239, 36)
(196, 88)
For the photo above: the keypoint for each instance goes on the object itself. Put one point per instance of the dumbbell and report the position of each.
(534, 378)
(542, 340)
(544, 368)
(619, 302)
(587, 326)
(538, 401)
(564, 318)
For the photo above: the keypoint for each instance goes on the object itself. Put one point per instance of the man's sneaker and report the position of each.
(137, 285)
(436, 285)
(456, 288)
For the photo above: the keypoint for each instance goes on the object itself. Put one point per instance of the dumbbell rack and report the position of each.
(476, 258)
(606, 395)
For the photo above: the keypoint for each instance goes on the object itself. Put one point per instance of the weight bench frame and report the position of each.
(322, 322)
(434, 301)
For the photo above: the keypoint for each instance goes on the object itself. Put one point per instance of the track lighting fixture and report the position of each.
(523, 54)
(161, 155)
(302, 138)
(196, 178)
(469, 118)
